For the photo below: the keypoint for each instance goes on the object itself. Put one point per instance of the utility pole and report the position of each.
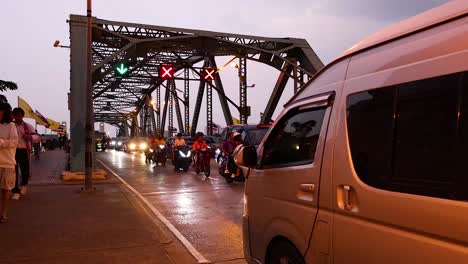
(89, 105)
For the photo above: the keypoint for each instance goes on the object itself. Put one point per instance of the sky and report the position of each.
(29, 28)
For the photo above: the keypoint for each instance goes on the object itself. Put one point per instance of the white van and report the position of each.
(369, 162)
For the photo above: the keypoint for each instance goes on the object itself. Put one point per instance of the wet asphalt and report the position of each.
(206, 211)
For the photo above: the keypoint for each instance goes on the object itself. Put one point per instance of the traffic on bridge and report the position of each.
(341, 137)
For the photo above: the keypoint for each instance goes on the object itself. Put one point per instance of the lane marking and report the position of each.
(197, 255)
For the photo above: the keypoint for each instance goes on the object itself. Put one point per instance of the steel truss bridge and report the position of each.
(136, 101)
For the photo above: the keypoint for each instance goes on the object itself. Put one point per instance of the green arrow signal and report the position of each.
(122, 69)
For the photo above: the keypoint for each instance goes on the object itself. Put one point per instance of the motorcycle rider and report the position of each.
(178, 142)
(227, 148)
(238, 142)
(197, 147)
(199, 143)
(156, 142)
(159, 140)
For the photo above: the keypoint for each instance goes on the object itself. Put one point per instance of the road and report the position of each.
(207, 212)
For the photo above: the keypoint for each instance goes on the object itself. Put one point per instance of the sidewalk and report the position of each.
(55, 223)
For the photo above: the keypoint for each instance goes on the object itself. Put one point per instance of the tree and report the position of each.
(5, 85)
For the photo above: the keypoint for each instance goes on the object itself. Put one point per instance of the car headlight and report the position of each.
(162, 146)
(182, 154)
(113, 143)
(143, 146)
(119, 143)
(132, 146)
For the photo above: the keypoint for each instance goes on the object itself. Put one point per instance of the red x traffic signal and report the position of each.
(166, 72)
(208, 74)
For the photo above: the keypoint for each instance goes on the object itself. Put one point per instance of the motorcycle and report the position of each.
(202, 161)
(182, 158)
(160, 155)
(232, 168)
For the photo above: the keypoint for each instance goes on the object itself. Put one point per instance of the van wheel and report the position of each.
(283, 252)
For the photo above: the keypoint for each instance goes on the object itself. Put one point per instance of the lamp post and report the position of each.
(58, 45)
(89, 104)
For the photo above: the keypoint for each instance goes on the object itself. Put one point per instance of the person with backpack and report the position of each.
(23, 153)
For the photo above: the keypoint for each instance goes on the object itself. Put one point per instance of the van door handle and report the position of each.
(347, 197)
(307, 187)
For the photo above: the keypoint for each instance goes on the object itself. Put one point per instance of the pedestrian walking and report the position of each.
(23, 153)
(36, 142)
(8, 144)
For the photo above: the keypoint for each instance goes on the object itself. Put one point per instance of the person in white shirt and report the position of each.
(8, 143)
(23, 153)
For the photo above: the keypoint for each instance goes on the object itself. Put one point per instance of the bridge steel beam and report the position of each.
(209, 109)
(164, 114)
(221, 94)
(276, 94)
(180, 122)
(243, 91)
(198, 103)
(158, 109)
(170, 127)
(187, 100)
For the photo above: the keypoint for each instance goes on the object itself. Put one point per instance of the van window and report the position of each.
(294, 139)
(410, 137)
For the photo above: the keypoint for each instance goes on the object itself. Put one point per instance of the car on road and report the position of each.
(137, 144)
(117, 143)
(367, 163)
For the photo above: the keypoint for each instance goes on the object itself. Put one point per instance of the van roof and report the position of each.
(421, 21)
(424, 20)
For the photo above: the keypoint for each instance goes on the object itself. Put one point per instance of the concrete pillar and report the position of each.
(78, 66)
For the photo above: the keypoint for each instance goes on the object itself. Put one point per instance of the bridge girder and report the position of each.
(145, 47)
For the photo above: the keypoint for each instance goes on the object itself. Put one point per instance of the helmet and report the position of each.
(179, 134)
(235, 134)
(199, 134)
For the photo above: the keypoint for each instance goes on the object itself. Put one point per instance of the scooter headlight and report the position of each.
(218, 151)
(151, 150)
(182, 154)
(189, 153)
(162, 146)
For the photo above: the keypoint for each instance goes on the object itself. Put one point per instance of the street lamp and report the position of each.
(234, 64)
(58, 45)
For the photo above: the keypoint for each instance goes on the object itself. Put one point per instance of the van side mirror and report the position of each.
(247, 157)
